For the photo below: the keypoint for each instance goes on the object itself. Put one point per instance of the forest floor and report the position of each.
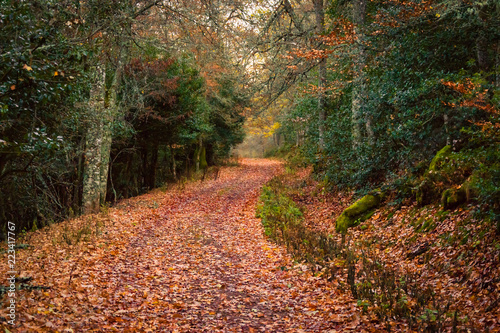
(427, 268)
(192, 258)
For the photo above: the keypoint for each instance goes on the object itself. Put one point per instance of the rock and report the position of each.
(423, 192)
(454, 197)
(426, 191)
(358, 212)
(439, 158)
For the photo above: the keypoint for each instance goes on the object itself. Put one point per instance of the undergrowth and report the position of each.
(380, 290)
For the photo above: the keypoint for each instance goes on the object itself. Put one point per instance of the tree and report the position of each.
(358, 93)
(42, 80)
(109, 26)
(320, 23)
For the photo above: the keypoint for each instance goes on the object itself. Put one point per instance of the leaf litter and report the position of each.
(188, 259)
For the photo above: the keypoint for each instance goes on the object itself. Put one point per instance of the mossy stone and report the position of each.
(359, 211)
(426, 192)
(362, 205)
(343, 223)
(423, 192)
(452, 197)
(440, 156)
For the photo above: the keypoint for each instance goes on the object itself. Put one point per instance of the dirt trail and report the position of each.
(194, 260)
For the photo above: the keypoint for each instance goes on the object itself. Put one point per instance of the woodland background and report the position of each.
(103, 100)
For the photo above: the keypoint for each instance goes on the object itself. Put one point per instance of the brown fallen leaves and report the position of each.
(453, 254)
(194, 260)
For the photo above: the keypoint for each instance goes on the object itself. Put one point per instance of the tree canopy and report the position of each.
(102, 100)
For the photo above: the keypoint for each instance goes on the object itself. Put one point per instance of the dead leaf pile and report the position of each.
(453, 254)
(183, 260)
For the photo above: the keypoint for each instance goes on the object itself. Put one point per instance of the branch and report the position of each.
(6, 173)
(291, 13)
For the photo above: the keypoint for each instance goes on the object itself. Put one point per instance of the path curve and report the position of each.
(195, 260)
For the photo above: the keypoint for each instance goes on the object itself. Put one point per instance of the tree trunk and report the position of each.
(79, 178)
(153, 166)
(483, 59)
(359, 16)
(144, 159)
(93, 144)
(130, 176)
(198, 153)
(497, 65)
(92, 172)
(320, 24)
(262, 142)
(446, 128)
(174, 166)
(113, 79)
(103, 108)
(482, 39)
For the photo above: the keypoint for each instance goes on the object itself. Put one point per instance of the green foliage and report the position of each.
(278, 212)
(440, 158)
(42, 78)
(51, 54)
(284, 151)
(167, 110)
(458, 177)
(408, 110)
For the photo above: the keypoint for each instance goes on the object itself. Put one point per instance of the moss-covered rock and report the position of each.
(359, 211)
(440, 157)
(424, 192)
(428, 190)
(454, 197)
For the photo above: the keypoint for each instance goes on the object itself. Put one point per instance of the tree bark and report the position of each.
(110, 108)
(198, 153)
(446, 121)
(153, 166)
(359, 17)
(320, 24)
(174, 166)
(102, 110)
(497, 66)
(79, 177)
(483, 59)
(93, 142)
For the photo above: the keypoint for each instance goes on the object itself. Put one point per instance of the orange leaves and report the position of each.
(473, 96)
(407, 11)
(457, 259)
(310, 54)
(464, 88)
(189, 259)
(342, 34)
(96, 35)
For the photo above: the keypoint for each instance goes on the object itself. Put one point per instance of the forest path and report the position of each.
(188, 260)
